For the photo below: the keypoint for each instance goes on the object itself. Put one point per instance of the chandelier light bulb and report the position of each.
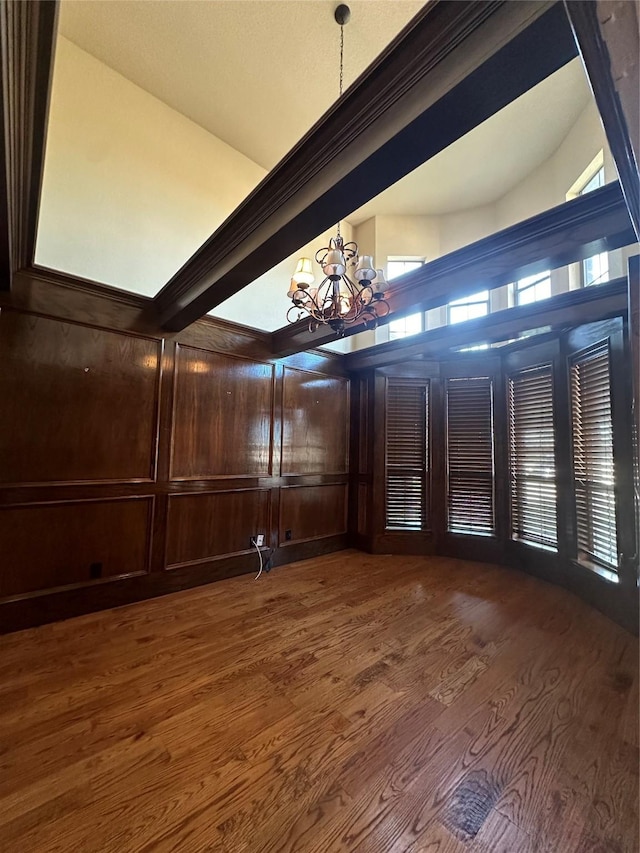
(303, 275)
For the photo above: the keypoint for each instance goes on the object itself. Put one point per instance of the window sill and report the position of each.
(606, 574)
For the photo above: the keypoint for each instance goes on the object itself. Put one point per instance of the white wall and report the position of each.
(122, 169)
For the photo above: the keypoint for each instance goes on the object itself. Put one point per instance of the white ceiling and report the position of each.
(256, 73)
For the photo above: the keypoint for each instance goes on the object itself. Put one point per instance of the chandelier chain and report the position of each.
(341, 77)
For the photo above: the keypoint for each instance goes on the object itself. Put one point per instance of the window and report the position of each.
(595, 270)
(407, 455)
(468, 308)
(405, 326)
(533, 288)
(593, 473)
(532, 458)
(470, 504)
(414, 323)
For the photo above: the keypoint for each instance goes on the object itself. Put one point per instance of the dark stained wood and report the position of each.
(203, 526)
(223, 413)
(349, 703)
(87, 440)
(78, 403)
(415, 99)
(52, 545)
(608, 36)
(312, 512)
(578, 306)
(315, 423)
(578, 229)
(26, 70)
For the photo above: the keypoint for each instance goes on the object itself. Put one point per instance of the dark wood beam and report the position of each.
(27, 42)
(573, 308)
(578, 229)
(451, 68)
(609, 42)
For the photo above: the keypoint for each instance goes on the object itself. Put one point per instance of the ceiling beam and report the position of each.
(27, 42)
(578, 229)
(609, 41)
(451, 68)
(574, 308)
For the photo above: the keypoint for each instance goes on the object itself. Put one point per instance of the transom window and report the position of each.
(595, 270)
(468, 308)
(533, 288)
(414, 323)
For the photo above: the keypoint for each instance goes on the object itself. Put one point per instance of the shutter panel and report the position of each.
(532, 457)
(470, 456)
(406, 456)
(593, 473)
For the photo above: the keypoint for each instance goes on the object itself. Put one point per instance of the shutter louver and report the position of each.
(593, 472)
(532, 457)
(470, 500)
(406, 456)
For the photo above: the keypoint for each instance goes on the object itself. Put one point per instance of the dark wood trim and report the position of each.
(77, 600)
(607, 36)
(27, 44)
(570, 232)
(415, 99)
(578, 306)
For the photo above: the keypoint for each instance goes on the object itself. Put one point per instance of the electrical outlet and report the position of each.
(287, 535)
(260, 540)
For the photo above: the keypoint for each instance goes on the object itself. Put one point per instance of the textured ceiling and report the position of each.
(256, 73)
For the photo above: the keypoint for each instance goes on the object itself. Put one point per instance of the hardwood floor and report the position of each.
(349, 703)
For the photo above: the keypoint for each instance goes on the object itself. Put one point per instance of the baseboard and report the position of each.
(56, 605)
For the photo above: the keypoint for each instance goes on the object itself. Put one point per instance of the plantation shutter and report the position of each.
(406, 456)
(532, 457)
(592, 429)
(470, 456)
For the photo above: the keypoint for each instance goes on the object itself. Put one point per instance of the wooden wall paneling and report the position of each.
(312, 512)
(223, 410)
(80, 404)
(206, 525)
(437, 462)
(315, 423)
(378, 471)
(45, 546)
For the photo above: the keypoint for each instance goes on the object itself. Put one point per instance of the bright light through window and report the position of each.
(468, 308)
(533, 288)
(595, 270)
(412, 324)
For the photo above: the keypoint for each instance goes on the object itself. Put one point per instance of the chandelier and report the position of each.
(352, 290)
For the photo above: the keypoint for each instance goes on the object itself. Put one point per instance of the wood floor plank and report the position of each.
(360, 703)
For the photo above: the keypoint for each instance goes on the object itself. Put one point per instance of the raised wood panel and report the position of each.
(223, 415)
(204, 526)
(51, 545)
(310, 512)
(315, 423)
(77, 403)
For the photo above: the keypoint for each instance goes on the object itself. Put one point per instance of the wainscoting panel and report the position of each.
(315, 423)
(45, 546)
(77, 403)
(222, 417)
(311, 512)
(201, 527)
